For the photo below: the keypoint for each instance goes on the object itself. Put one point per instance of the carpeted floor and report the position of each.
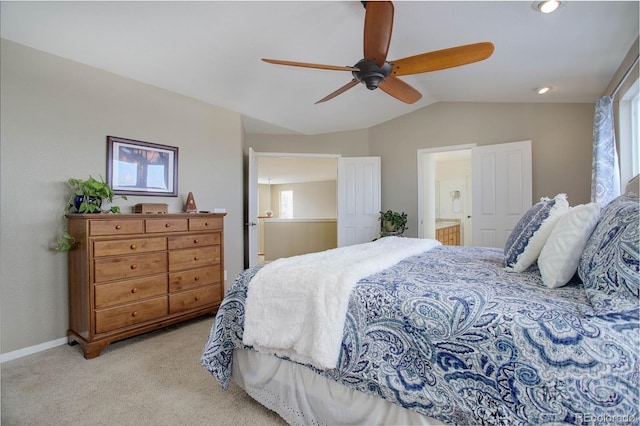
(153, 379)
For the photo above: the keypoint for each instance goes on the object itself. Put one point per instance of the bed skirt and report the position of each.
(302, 397)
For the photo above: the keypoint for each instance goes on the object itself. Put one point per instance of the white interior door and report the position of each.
(359, 199)
(502, 190)
(252, 209)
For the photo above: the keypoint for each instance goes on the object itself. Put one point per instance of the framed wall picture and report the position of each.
(142, 168)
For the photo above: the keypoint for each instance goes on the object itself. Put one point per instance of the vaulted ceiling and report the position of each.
(211, 51)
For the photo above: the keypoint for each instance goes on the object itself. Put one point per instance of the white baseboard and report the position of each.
(10, 356)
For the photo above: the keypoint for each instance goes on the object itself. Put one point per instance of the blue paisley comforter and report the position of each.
(451, 335)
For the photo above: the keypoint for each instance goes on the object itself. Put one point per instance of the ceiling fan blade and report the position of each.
(343, 89)
(442, 59)
(378, 25)
(308, 65)
(400, 90)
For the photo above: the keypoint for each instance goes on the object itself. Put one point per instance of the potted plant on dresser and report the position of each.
(89, 194)
(87, 197)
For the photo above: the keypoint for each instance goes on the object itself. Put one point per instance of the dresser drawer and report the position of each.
(195, 298)
(123, 267)
(193, 258)
(202, 223)
(115, 227)
(184, 280)
(129, 291)
(190, 241)
(134, 313)
(166, 225)
(132, 246)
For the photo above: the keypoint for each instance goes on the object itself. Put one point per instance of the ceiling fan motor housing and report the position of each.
(370, 74)
(374, 70)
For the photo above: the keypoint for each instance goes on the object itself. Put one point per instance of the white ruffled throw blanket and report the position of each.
(296, 307)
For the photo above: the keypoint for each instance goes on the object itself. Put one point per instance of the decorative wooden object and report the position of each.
(130, 274)
(151, 208)
(190, 204)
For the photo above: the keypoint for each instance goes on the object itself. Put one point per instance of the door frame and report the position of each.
(426, 179)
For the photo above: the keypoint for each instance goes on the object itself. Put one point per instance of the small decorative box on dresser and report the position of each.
(132, 273)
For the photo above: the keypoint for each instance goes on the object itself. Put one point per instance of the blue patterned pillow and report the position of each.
(531, 232)
(609, 266)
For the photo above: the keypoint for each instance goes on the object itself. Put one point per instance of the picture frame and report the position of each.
(141, 168)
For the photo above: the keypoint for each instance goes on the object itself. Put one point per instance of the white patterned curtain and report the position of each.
(605, 173)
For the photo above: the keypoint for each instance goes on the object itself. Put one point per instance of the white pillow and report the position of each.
(531, 232)
(561, 253)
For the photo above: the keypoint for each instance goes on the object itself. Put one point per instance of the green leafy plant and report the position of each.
(64, 242)
(93, 193)
(392, 223)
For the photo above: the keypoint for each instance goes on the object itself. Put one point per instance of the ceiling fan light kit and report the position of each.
(374, 71)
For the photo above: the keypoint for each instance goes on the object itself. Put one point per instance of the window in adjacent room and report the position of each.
(629, 134)
(286, 204)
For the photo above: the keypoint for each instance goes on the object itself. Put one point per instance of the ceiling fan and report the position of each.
(374, 71)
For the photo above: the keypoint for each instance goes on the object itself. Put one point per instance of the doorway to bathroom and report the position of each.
(498, 190)
(447, 194)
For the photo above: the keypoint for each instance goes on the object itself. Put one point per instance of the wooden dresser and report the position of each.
(132, 273)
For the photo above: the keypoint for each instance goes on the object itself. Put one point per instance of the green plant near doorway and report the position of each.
(392, 223)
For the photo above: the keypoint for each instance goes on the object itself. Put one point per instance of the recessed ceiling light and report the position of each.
(548, 6)
(542, 90)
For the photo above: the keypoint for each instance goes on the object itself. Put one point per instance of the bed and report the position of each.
(544, 331)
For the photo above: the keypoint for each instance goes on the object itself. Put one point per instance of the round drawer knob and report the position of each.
(133, 246)
(134, 266)
(118, 226)
(134, 313)
(167, 225)
(196, 241)
(196, 298)
(134, 290)
(196, 278)
(206, 224)
(196, 257)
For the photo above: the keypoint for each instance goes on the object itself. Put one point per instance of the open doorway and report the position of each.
(297, 205)
(445, 194)
(358, 199)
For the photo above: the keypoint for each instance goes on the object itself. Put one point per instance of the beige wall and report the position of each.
(56, 114)
(451, 176)
(291, 237)
(348, 144)
(561, 136)
(55, 117)
(264, 199)
(311, 200)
